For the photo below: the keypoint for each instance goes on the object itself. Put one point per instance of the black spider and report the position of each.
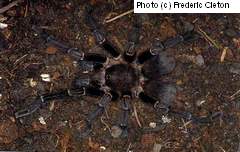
(119, 77)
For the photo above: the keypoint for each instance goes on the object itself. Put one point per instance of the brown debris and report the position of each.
(94, 146)
(8, 131)
(147, 139)
(64, 142)
(51, 50)
(166, 29)
(37, 126)
(6, 8)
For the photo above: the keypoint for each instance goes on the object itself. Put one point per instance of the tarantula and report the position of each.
(119, 77)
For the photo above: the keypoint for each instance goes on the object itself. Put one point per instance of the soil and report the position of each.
(206, 83)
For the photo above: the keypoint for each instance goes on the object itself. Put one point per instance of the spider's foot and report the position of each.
(44, 99)
(101, 106)
(100, 36)
(130, 53)
(88, 66)
(125, 106)
(133, 41)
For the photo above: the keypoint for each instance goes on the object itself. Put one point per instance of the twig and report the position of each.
(185, 124)
(5, 8)
(107, 126)
(224, 53)
(26, 10)
(208, 38)
(232, 97)
(136, 116)
(129, 147)
(221, 148)
(20, 59)
(119, 16)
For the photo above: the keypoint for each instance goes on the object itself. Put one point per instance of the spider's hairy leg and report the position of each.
(125, 107)
(162, 98)
(159, 46)
(100, 37)
(75, 53)
(186, 37)
(46, 98)
(150, 53)
(89, 66)
(147, 99)
(101, 106)
(133, 40)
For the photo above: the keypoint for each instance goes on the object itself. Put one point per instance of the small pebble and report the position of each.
(153, 124)
(116, 131)
(32, 82)
(200, 102)
(199, 60)
(165, 119)
(157, 147)
(46, 77)
(103, 148)
(3, 25)
(42, 121)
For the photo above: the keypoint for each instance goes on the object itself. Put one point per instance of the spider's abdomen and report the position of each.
(121, 77)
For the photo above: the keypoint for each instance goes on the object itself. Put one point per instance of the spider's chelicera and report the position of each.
(119, 77)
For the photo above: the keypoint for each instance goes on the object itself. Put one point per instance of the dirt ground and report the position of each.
(207, 76)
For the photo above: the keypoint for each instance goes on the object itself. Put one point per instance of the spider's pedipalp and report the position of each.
(158, 65)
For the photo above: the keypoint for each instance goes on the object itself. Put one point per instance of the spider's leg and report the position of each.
(125, 107)
(158, 93)
(100, 37)
(45, 98)
(161, 46)
(89, 66)
(166, 95)
(147, 99)
(101, 106)
(75, 53)
(133, 40)
(149, 54)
